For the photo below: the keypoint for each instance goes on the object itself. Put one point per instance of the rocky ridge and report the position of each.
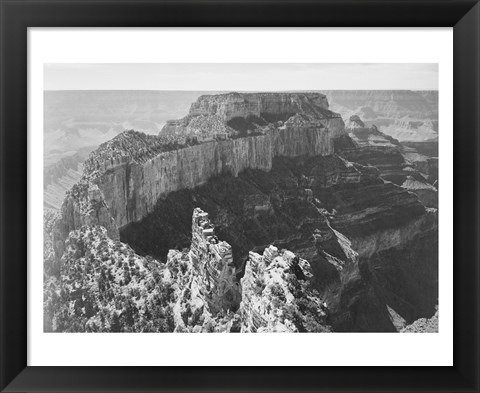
(103, 286)
(277, 295)
(214, 262)
(423, 325)
(335, 214)
(293, 185)
(133, 170)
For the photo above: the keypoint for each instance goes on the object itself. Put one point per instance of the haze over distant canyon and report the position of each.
(241, 211)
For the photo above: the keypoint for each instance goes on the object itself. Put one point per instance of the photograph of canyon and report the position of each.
(241, 198)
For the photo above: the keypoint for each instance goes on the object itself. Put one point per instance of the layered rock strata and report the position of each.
(324, 209)
(134, 170)
(397, 163)
(266, 178)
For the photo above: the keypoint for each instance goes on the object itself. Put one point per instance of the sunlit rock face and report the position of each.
(423, 325)
(277, 295)
(84, 204)
(213, 260)
(231, 105)
(349, 204)
(60, 178)
(103, 286)
(134, 170)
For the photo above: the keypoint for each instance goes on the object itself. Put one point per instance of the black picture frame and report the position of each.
(18, 15)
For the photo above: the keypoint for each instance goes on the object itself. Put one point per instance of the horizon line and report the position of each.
(241, 91)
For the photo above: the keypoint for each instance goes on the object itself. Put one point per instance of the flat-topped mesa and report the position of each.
(270, 106)
(213, 260)
(239, 114)
(134, 170)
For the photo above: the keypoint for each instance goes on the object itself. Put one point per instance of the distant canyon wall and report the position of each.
(406, 115)
(386, 103)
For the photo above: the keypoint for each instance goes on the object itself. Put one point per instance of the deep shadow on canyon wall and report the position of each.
(289, 207)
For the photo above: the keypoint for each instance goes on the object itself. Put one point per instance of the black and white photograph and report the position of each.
(169, 209)
(266, 168)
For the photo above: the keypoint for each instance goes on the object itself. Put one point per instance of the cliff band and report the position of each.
(221, 134)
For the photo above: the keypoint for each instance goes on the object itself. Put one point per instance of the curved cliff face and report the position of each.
(134, 170)
(131, 189)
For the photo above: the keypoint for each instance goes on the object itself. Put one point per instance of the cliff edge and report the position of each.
(222, 134)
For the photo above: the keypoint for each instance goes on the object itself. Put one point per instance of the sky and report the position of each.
(241, 77)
